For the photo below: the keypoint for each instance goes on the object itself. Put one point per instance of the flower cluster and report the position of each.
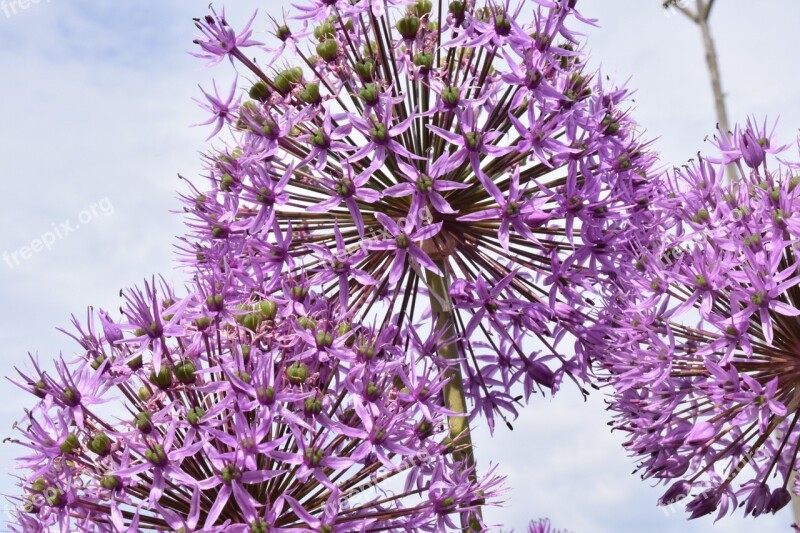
(387, 146)
(703, 348)
(233, 410)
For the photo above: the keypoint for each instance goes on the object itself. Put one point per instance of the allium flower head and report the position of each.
(256, 419)
(401, 143)
(702, 344)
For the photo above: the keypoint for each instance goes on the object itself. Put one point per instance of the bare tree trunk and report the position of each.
(701, 17)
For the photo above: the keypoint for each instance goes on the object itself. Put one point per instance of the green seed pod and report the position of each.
(451, 96)
(109, 482)
(297, 373)
(144, 394)
(260, 91)
(203, 322)
(422, 8)
(70, 445)
(458, 11)
(313, 406)
(184, 372)
(98, 361)
(298, 293)
(194, 415)
(163, 378)
(365, 70)
(328, 50)
(424, 60)
(39, 484)
(324, 339)
(269, 309)
(307, 323)
(143, 422)
(100, 444)
(283, 32)
(244, 376)
(226, 182)
(402, 241)
(325, 31)
(136, 363)
(310, 94)
(55, 498)
(370, 94)
(408, 27)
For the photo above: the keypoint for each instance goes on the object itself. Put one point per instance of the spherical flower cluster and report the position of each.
(703, 348)
(229, 410)
(385, 148)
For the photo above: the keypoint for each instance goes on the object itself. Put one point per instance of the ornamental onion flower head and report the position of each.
(702, 344)
(258, 417)
(385, 148)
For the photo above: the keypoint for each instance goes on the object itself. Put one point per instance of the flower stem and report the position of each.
(454, 397)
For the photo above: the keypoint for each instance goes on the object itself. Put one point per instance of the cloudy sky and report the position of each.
(97, 103)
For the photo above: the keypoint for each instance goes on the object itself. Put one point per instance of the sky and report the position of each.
(97, 107)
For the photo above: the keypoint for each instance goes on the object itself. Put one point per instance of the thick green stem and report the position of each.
(453, 392)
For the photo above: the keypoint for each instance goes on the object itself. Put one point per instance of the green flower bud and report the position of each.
(328, 50)
(408, 27)
(297, 373)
